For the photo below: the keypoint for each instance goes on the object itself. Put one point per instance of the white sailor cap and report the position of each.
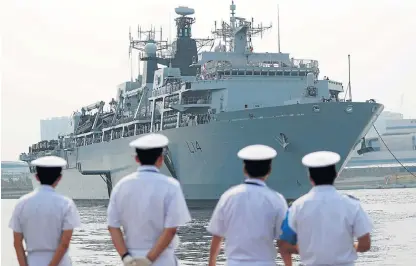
(150, 141)
(49, 161)
(320, 159)
(257, 152)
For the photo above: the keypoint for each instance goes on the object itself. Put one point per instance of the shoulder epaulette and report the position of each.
(351, 197)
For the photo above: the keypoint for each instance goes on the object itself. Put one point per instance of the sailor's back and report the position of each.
(326, 224)
(321, 226)
(142, 201)
(41, 216)
(44, 219)
(249, 216)
(252, 217)
(149, 206)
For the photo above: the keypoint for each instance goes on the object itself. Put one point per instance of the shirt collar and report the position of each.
(150, 168)
(323, 188)
(257, 181)
(46, 188)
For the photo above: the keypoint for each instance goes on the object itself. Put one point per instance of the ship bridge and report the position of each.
(243, 59)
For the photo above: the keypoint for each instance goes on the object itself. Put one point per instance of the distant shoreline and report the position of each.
(13, 193)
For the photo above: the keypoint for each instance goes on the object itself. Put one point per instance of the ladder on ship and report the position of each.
(169, 162)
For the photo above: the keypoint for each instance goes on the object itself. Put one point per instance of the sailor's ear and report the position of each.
(244, 170)
(37, 177)
(137, 159)
(160, 160)
(57, 180)
(270, 171)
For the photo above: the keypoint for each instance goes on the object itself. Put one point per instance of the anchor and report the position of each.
(169, 163)
(282, 140)
(102, 173)
(364, 148)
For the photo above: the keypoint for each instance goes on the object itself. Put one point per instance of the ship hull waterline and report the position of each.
(204, 156)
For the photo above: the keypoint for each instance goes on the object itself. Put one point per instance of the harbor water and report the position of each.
(393, 212)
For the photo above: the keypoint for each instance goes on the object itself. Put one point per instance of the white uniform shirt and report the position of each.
(41, 216)
(249, 217)
(324, 224)
(144, 204)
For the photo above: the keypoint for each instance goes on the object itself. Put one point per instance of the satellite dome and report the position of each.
(184, 11)
(150, 49)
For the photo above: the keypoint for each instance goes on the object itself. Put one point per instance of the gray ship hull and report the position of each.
(204, 156)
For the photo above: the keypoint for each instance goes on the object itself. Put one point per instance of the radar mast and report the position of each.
(236, 35)
(184, 23)
(184, 27)
(145, 37)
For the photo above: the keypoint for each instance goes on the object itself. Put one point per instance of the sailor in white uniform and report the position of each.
(44, 219)
(249, 215)
(149, 206)
(322, 225)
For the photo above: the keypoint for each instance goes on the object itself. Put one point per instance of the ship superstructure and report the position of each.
(210, 104)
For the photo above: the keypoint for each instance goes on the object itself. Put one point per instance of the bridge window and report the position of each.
(234, 73)
(241, 73)
(264, 73)
(227, 72)
(256, 73)
(272, 73)
(294, 74)
(287, 73)
(302, 74)
(279, 73)
(249, 72)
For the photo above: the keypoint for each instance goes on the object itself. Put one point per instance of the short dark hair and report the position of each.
(323, 175)
(257, 169)
(48, 175)
(150, 156)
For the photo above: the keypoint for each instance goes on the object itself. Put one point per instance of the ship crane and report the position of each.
(99, 106)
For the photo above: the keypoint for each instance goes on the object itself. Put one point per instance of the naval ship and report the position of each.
(210, 103)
